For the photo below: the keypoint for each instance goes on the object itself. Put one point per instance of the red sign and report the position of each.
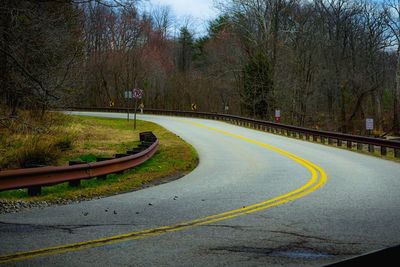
(277, 115)
(137, 93)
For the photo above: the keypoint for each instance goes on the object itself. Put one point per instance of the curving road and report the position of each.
(256, 199)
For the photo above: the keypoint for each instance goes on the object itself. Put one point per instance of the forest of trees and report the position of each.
(325, 64)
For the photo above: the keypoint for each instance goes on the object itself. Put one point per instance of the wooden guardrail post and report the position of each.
(383, 151)
(34, 190)
(397, 152)
(359, 146)
(102, 177)
(349, 144)
(371, 148)
(75, 183)
(339, 142)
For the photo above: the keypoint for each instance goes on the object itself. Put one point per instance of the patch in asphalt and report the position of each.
(292, 252)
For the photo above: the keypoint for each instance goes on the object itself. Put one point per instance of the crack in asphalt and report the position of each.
(70, 228)
(242, 228)
(315, 237)
(236, 227)
(297, 250)
(300, 235)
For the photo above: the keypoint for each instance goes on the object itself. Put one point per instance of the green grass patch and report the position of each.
(103, 137)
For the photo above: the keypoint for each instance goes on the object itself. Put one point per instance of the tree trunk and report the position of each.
(377, 110)
(343, 122)
(396, 116)
(9, 97)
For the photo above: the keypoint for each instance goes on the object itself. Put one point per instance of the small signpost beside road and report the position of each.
(128, 96)
(136, 94)
(369, 125)
(194, 107)
(277, 115)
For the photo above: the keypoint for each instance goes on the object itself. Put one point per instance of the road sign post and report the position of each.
(277, 115)
(128, 96)
(369, 125)
(134, 118)
(136, 94)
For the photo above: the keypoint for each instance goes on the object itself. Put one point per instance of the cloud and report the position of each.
(202, 9)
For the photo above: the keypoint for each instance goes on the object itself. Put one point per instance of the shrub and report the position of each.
(28, 141)
(64, 143)
(36, 152)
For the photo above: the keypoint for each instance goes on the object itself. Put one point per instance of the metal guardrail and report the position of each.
(325, 137)
(35, 178)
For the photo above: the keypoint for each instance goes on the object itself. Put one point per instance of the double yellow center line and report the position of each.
(318, 178)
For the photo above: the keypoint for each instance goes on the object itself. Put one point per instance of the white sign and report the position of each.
(277, 113)
(137, 93)
(369, 124)
(141, 107)
(128, 94)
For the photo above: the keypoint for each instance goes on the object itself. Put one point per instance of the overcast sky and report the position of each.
(200, 11)
(196, 8)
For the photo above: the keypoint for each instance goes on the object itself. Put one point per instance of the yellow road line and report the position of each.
(315, 182)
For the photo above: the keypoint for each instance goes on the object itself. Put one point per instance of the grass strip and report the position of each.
(104, 137)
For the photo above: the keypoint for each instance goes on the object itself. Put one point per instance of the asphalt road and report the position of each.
(256, 199)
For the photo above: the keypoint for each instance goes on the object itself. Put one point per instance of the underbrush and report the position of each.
(30, 141)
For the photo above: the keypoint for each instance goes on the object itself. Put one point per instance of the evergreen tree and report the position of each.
(185, 50)
(258, 86)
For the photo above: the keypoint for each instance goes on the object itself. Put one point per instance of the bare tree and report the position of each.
(393, 22)
(38, 45)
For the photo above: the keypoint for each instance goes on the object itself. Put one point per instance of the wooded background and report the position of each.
(327, 64)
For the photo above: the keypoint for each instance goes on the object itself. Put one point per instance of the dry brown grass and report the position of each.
(105, 137)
